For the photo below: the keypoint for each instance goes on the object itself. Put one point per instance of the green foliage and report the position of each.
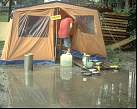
(132, 22)
(1, 45)
(3, 17)
(113, 56)
(122, 11)
(117, 10)
(125, 11)
(29, 2)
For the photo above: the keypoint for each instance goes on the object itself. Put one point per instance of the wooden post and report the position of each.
(28, 65)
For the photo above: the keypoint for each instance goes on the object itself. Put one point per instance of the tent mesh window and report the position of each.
(85, 24)
(34, 26)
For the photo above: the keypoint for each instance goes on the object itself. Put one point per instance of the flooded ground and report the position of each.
(54, 86)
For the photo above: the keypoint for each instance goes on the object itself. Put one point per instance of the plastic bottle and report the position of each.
(84, 59)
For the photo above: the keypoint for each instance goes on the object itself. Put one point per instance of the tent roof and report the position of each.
(53, 5)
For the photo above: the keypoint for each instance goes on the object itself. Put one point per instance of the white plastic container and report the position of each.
(66, 60)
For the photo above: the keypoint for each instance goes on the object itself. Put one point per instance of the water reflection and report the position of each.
(29, 79)
(110, 95)
(65, 73)
(107, 91)
(132, 85)
(66, 87)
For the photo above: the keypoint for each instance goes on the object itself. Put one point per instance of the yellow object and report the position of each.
(66, 60)
(114, 66)
(56, 17)
(98, 68)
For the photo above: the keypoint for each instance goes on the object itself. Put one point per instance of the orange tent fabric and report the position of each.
(28, 32)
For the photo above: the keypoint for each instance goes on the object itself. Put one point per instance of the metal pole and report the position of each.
(56, 39)
(28, 65)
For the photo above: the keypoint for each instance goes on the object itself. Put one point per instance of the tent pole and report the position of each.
(56, 33)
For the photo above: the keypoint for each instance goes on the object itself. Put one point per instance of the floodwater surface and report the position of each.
(55, 86)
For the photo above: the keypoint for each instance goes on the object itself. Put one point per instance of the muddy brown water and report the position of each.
(54, 86)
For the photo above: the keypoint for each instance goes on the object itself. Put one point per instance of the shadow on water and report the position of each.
(54, 86)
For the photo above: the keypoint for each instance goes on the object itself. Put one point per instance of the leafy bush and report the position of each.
(132, 22)
(113, 56)
(122, 11)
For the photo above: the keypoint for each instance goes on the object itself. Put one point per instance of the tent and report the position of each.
(33, 31)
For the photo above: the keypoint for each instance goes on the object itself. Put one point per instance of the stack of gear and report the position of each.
(94, 66)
